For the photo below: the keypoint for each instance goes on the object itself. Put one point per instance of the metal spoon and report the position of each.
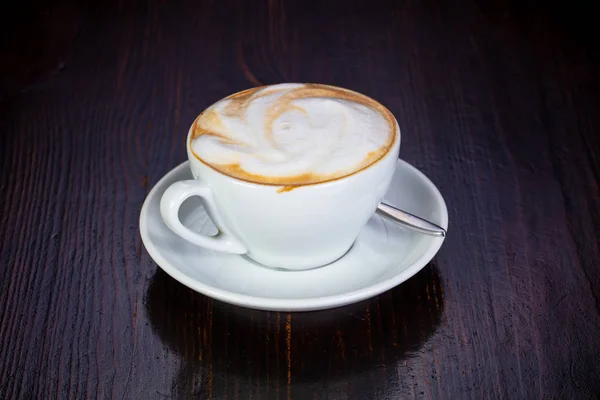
(410, 221)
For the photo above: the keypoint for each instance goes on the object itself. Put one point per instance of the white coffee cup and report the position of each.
(309, 226)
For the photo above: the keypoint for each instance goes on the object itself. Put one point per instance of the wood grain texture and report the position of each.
(497, 102)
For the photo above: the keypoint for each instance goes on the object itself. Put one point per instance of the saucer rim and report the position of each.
(275, 304)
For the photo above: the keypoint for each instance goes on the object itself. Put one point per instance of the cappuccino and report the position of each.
(248, 149)
(293, 134)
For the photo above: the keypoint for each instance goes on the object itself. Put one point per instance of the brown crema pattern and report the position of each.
(209, 123)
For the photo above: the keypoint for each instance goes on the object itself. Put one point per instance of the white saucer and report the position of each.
(384, 255)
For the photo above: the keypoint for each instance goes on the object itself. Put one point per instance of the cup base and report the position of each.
(299, 267)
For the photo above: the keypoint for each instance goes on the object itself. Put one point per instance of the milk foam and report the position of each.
(293, 134)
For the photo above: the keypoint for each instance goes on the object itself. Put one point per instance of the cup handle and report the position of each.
(170, 203)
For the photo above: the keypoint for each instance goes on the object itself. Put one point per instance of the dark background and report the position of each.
(498, 103)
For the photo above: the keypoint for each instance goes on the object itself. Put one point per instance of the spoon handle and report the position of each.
(410, 221)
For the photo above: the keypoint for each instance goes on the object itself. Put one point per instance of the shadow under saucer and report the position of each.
(228, 351)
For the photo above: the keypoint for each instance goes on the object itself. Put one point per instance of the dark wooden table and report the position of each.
(498, 102)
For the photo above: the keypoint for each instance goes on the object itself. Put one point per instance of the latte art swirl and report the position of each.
(293, 134)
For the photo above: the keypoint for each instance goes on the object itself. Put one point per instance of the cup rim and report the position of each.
(193, 157)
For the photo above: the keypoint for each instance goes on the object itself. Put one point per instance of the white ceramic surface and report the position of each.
(306, 227)
(383, 256)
